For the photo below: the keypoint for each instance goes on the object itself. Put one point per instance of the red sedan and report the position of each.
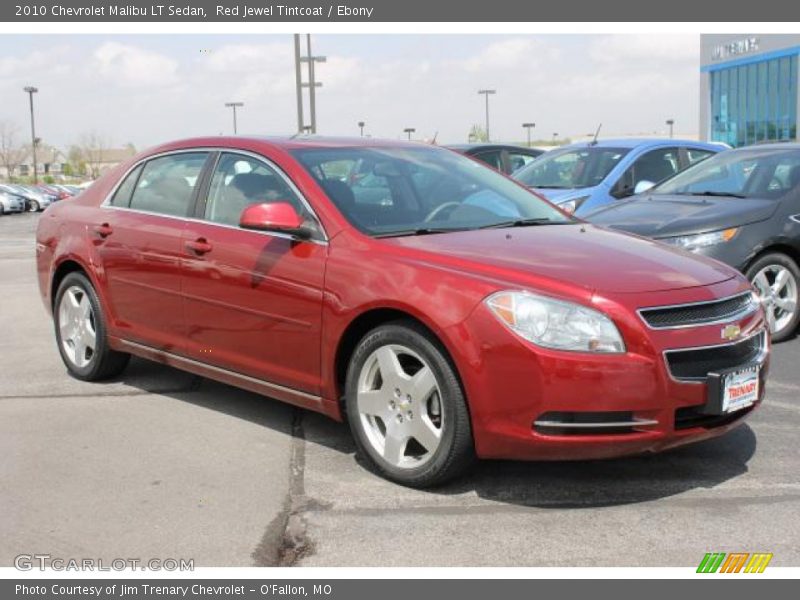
(442, 309)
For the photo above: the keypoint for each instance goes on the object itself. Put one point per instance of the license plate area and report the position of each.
(733, 390)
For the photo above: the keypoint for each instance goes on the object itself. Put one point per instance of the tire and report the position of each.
(76, 315)
(34, 206)
(780, 301)
(422, 414)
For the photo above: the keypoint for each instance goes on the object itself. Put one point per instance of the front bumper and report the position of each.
(517, 392)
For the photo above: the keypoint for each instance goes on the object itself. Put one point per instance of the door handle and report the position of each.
(103, 230)
(199, 246)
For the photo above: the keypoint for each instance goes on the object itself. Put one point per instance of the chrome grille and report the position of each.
(700, 313)
(694, 364)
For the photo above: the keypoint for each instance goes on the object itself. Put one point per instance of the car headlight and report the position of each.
(701, 240)
(570, 206)
(556, 324)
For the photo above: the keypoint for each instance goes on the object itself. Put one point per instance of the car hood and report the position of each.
(558, 196)
(582, 255)
(666, 215)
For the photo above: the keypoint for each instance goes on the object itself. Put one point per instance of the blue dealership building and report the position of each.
(748, 88)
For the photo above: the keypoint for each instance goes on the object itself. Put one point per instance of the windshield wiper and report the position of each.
(418, 231)
(717, 194)
(523, 223)
(549, 187)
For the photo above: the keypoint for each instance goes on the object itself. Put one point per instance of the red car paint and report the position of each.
(272, 314)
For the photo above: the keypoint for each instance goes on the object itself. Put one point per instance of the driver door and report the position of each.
(253, 299)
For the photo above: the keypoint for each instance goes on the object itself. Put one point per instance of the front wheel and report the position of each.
(34, 207)
(406, 407)
(81, 332)
(777, 280)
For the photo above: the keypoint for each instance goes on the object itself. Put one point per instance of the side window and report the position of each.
(518, 160)
(493, 158)
(653, 166)
(695, 155)
(240, 181)
(167, 183)
(122, 197)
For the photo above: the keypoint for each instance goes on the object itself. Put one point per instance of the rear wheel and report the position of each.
(406, 408)
(34, 206)
(81, 332)
(776, 278)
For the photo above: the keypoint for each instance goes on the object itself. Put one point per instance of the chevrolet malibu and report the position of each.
(463, 316)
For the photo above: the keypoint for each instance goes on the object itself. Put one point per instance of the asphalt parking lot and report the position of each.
(162, 464)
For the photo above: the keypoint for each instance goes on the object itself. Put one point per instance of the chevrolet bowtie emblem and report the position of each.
(731, 332)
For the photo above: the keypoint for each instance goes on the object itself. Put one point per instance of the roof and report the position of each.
(636, 142)
(489, 146)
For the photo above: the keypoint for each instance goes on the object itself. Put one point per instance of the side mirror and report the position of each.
(280, 217)
(643, 186)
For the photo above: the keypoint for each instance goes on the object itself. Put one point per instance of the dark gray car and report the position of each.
(741, 207)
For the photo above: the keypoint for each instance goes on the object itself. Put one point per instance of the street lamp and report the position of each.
(555, 137)
(361, 127)
(30, 90)
(529, 126)
(487, 93)
(234, 106)
(409, 131)
(670, 122)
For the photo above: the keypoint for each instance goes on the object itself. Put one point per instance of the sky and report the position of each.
(146, 89)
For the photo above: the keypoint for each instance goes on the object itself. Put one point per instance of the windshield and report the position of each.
(747, 173)
(405, 191)
(571, 167)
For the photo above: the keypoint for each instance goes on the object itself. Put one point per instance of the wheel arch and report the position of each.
(775, 247)
(368, 320)
(64, 268)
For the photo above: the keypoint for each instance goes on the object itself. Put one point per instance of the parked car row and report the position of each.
(741, 207)
(15, 198)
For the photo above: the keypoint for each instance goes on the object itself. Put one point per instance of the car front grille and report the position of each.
(702, 313)
(694, 364)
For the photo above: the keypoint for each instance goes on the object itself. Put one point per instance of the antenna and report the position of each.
(596, 133)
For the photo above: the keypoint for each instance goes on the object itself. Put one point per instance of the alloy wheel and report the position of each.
(77, 326)
(777, 289)
(399, 406)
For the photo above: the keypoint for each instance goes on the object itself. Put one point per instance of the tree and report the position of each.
(76, 162)
(477, 134)
(12, 153)
(93, 149)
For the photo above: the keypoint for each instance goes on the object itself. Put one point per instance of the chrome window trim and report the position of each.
(751, 308)
(759, 359)
(795, 218)
(106, 203)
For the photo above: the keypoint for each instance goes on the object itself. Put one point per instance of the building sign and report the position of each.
(745, 46)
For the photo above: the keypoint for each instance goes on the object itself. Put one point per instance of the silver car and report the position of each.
(35, 199)
(11, 203)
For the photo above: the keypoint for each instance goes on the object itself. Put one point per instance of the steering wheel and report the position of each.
(436, 211)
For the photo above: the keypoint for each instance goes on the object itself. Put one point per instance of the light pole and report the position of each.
(361, 127)
(409, 131)
(529, 126)
(487, 93)
(555, 137)
(670, 122)
(234, 106)
(30, 90)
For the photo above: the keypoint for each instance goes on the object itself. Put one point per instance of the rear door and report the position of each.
(138, 240)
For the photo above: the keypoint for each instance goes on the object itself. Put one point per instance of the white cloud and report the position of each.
(132, 66)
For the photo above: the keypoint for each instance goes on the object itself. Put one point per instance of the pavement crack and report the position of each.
(286, 539)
